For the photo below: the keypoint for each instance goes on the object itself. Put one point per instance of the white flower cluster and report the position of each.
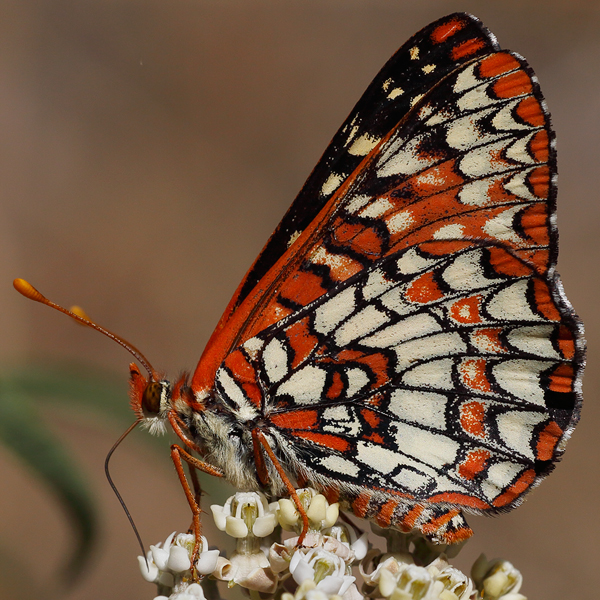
(322, 568)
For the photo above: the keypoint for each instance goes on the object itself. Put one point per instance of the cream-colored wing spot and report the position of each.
(465, 272)
(360, 324)
(362, 145)
(275, 360)
(416, 99)
(511, 304)
(436, 374)
(519, 150)
(397, 91)
(535, 340)
(484, 160)
(409, 328)
(516, 430)
(377, 208)
(400, 221)
(466, 80)
(499, 476)
(521, 378)
(429, 447)
(449, 232)
(467, 132)
(337, 464)
(234, 393)
(505, 121)
(356, 203)
(421, 408)
(331, 184)
(339, 419)
(422, 349)
(253, 346)
(403, 159)
(377, 457)
(411, 262)
(357, 381)
(501, 227)
(331, 313)
(413, 480)
(376, 285)
(517, 185)
(305, 385)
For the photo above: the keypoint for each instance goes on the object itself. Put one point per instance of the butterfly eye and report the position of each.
(151, 398)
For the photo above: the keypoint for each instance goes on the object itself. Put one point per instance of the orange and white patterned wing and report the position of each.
(413, 351)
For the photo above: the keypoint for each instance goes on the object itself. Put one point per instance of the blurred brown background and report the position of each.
(148, 149)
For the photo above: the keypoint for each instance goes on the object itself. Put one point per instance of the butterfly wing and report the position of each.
(420, 63)
(413, 349)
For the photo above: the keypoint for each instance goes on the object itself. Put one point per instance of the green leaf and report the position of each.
(22, 432)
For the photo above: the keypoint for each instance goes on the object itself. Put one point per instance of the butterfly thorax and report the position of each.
(205, 423)
(224, 443)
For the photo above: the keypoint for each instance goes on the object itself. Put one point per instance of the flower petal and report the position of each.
(331, 515)
(264, 526)
(223, 570)
(260, 580)
(148, 569)
(179, 559)
(335, 584)
(160, 557)
(387, 583)
(207, 562)
(348, 581)
(301, 571)
(195, 591)
(166, 579)
(288, 515)
(219, 516)
(361, 546)
(317, 511)
(235, 527)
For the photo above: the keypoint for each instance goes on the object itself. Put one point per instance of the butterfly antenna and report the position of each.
(27, 290)
(116, 491)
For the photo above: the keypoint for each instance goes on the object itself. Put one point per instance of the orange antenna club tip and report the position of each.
(79, 315)
(25, 288)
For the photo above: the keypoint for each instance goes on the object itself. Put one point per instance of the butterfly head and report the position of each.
(151, 399)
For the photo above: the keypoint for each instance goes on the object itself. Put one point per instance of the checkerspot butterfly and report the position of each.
(402, 342)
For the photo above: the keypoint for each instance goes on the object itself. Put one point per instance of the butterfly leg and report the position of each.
(179, 455)
(178, 428)
(259, 440)
(195, 485)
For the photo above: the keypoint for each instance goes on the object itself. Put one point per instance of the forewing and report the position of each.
(418, 65)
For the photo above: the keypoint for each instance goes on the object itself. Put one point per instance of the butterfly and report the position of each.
(403, 342)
